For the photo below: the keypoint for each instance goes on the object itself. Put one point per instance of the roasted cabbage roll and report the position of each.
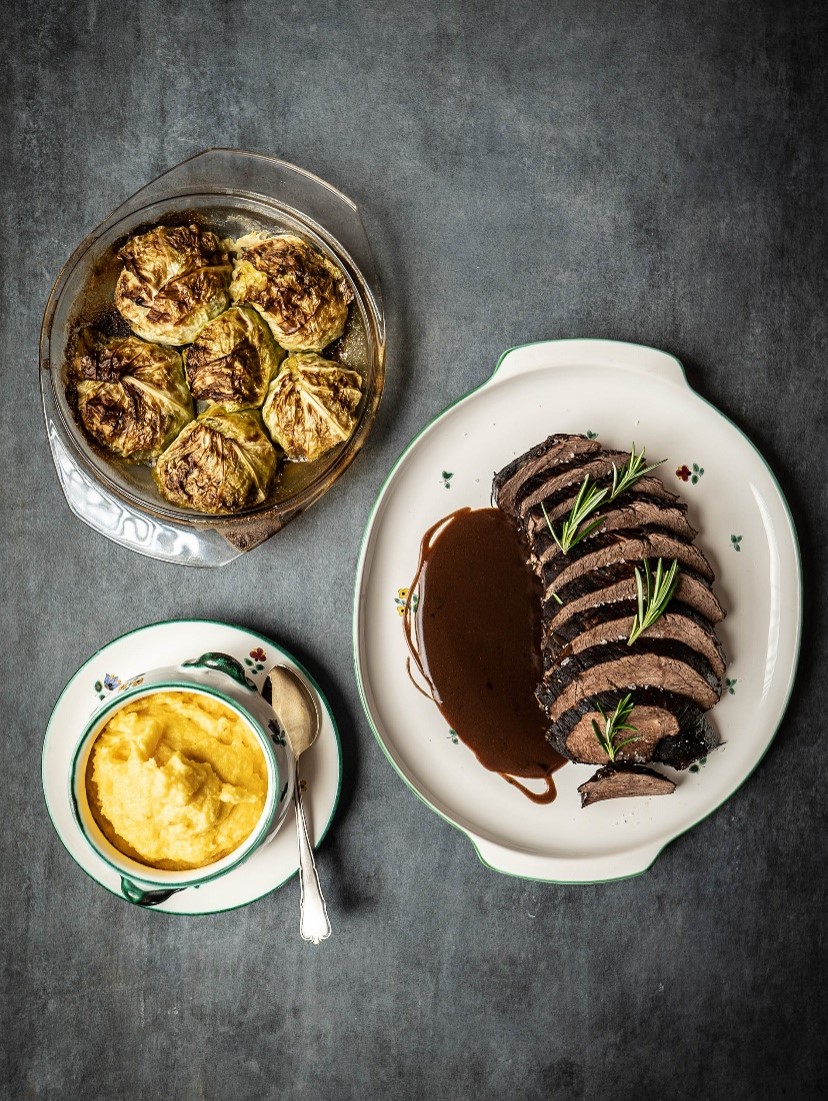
(222, 462)
(311, 405)
(300, 293)
(130, 396)
(175, 279)
(232, 360)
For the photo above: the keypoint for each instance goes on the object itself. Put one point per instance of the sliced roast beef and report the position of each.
(650, 489)
(675, 668)
(695, 737)
(652, 724)
(563, 482)
(522, 473)
(593, 583)
(630, 672)
(596, 632)
(650, 545)
(691, 591)
(561, 485)
(613, 782)
(618, 521)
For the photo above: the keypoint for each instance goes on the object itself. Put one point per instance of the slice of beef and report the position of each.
(520, 474)
(651, 723)
(649, 489)
(630, 673)
(660, 661)
(561, 485)
(594, 582)
(618, 521)
(589, 639)
(566, 628)
(635, 548)
(620, 782)
(695, 738)
(562, 482)
(552, 565)
(691, 592)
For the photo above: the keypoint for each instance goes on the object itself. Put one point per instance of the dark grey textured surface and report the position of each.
(646, 171)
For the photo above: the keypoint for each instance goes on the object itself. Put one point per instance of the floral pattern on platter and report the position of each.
(446, 475)
(689, 474)
(590, 435)
(736, 541)
(401, 599)
(730, 685)
(698, 765)
(453, 735)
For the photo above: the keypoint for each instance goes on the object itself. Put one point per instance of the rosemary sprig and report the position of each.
(615, 724)
(632, 470)
(590, 497)
(653, 602)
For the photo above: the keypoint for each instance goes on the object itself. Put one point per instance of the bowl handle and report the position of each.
(140, 897)
(222, 663)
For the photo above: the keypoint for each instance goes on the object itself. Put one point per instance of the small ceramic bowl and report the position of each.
(220, 677)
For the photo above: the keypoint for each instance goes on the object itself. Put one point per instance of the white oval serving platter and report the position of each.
(622, 393)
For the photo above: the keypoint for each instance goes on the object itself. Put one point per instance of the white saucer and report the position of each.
(169, 644)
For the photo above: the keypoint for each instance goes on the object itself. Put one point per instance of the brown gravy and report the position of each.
(475, 639)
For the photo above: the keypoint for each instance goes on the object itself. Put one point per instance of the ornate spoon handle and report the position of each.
(314, 925)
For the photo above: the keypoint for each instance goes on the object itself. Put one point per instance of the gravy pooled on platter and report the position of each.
(475, 638)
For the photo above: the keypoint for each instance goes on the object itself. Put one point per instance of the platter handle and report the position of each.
(572, 354)
(564, 869)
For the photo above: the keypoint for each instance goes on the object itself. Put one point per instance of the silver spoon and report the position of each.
(298, 716)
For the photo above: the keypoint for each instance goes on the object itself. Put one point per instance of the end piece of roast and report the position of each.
(622, 781)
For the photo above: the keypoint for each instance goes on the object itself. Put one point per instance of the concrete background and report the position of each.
(654, 172)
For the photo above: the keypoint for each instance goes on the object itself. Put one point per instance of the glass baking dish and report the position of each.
(232, 192)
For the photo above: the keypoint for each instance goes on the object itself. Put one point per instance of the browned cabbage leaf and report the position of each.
(311, 405)
(221, 462)
(233, 359)
(130, 396)
(300, 293)
(175, 279)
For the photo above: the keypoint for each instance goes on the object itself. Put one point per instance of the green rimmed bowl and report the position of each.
(113, 669)
(220, 677)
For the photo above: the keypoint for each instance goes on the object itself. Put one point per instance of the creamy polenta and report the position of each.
(176, 780)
